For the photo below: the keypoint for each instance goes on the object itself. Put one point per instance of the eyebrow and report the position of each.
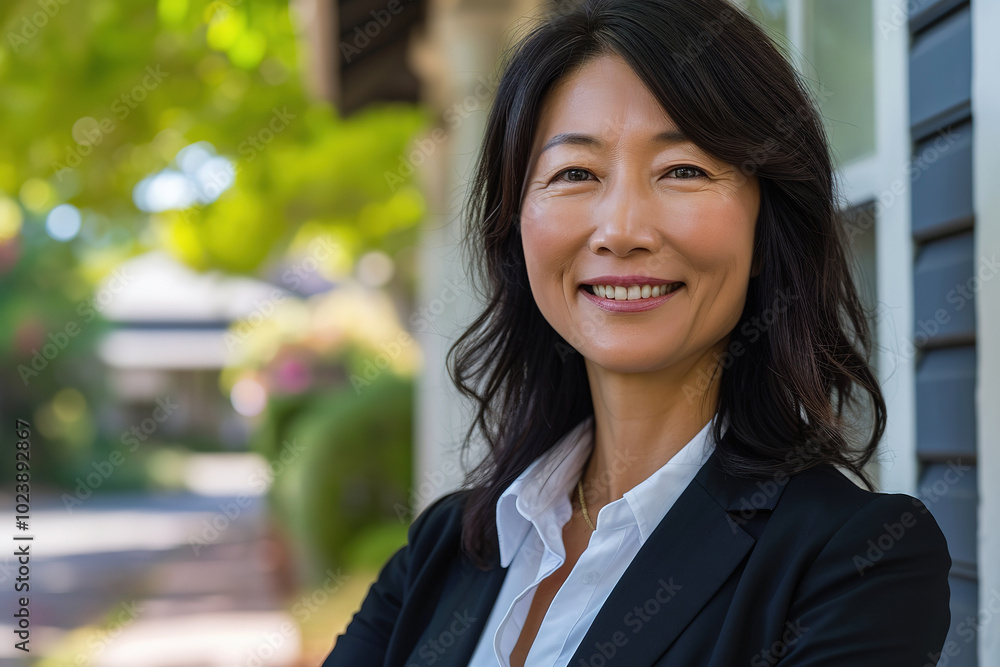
(580, 139)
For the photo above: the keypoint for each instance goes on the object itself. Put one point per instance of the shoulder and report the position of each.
(438, 521)
(443, 509)
(868, 572)
(828, 508)
(395, 606)
(825, 489)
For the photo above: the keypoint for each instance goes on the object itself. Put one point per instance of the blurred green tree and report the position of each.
(96, 96)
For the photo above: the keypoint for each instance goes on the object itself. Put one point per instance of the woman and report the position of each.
(670, 347)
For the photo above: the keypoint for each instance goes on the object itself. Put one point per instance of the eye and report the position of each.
(687, 172)
(577, 171)
(579, 175)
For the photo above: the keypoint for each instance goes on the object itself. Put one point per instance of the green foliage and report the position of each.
(101, 94)
(352, 471)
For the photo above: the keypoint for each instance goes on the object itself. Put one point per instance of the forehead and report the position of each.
(602, 97)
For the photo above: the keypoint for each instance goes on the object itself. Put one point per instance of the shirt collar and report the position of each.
(539, 495)
(653, 497)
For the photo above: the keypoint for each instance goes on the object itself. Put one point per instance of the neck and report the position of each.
(641, 420)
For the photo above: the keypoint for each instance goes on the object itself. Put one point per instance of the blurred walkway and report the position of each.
(157, 581)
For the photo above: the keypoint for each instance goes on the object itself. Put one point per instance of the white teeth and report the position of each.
(632, 292)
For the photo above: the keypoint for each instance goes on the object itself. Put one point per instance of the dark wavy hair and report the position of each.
(727, 87)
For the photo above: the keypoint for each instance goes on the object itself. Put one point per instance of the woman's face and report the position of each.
(618, 197)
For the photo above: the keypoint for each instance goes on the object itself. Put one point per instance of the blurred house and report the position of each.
(169, 341)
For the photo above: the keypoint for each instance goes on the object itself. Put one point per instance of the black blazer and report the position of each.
(809, 570)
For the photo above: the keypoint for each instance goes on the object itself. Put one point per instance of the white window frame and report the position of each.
(882, 177)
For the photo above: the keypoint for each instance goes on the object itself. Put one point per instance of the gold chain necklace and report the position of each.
(583, 504)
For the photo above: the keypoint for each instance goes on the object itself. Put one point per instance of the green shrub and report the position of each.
(350, 472)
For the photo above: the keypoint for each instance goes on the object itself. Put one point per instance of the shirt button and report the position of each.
(590, 577)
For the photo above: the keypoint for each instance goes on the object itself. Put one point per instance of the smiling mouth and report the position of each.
(632, 292)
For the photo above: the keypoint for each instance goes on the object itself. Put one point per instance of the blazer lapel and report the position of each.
(687, 558)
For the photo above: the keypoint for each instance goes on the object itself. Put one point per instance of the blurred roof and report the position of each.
(169, 316)
(154, 289)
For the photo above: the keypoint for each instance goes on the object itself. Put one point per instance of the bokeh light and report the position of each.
(69, 405)
(249, 398)
(37, 195)
(375, 268)
(63, 222)
(11, 218)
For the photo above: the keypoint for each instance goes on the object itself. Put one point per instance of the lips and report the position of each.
(629, 305)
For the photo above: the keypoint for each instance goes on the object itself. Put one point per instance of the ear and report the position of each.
(756, 266)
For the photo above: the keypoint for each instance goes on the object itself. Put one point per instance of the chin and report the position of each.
(628, 361)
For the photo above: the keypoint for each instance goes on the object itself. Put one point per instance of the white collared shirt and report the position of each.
(531, 514)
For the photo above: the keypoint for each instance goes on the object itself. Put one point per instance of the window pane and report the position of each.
(839, 64)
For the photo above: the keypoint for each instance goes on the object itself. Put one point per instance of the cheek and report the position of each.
(718, 238)
(549, 254)
(720, 250)
(548, 246)
(533, 241)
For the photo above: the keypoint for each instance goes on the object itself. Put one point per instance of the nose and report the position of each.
(625, 219)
